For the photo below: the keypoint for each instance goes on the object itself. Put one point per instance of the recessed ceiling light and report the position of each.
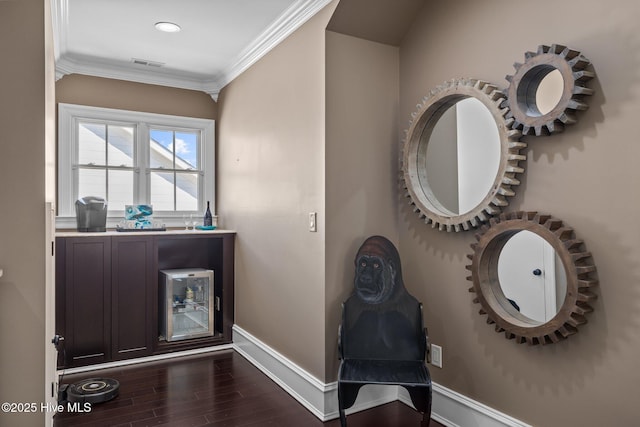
(167, 27)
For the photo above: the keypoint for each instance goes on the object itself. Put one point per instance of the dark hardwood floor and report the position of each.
(221, 389)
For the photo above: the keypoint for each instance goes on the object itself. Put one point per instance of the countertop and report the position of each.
(73, 233)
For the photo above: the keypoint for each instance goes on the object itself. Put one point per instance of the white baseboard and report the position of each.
(304, 387)
(449, 407)
(456, 410)
(319, 398)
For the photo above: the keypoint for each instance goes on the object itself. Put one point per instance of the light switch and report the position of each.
(312, 221)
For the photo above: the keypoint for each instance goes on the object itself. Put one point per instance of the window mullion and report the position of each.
(106, 160)
(175, 177)
(142, 175)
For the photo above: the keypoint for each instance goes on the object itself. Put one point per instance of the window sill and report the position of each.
(73, 233)
(69, 223)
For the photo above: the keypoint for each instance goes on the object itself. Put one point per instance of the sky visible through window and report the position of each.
(186, 144)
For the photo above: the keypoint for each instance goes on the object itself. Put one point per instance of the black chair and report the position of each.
(382, 339)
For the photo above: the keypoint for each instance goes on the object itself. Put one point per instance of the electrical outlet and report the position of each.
(313, 226)
(436, 355)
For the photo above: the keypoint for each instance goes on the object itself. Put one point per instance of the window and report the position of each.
(130, 157)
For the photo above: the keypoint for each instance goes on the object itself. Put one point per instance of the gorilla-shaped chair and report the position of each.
(382, 339)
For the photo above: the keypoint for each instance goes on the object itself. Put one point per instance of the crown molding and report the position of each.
(294, 17)
(89, 66)
(60, 21)
(290, 20)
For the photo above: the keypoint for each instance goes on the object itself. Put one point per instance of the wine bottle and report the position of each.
(207, 217)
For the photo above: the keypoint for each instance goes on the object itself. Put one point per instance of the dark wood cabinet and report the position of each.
(107, 288)
(132, 289)
(84, 265)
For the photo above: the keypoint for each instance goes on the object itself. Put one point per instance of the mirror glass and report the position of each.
(462, 156)
(549, 91)
(461, 160)
(532, 277)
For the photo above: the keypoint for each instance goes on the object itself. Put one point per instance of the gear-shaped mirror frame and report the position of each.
(523, 86)
(415, 145)
(578, 266)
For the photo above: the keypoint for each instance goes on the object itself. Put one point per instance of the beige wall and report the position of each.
(280, 158)
(24, 109)
(270, 176)
(587, 176)
(361, 169)
(124, 95)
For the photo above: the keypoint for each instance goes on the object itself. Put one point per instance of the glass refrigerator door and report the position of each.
(190, 311)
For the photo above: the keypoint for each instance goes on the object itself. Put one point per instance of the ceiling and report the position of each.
(382, 21)
(218, 39)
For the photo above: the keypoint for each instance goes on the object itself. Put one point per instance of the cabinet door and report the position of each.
(87, 297)
(133, 287)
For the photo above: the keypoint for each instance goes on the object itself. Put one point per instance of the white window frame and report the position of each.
(68, 117)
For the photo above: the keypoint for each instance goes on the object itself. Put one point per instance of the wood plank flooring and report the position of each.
(221, 389)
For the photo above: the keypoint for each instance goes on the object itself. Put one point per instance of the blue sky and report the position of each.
(186, 144)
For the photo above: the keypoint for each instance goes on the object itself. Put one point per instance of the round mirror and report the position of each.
(460, 157)
(546, 91)
(549, 92)
(532, 277)
(503, 300)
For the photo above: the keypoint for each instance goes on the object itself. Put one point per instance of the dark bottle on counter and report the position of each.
(207, 216)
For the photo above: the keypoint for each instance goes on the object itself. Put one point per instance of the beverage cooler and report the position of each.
(186, 304)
